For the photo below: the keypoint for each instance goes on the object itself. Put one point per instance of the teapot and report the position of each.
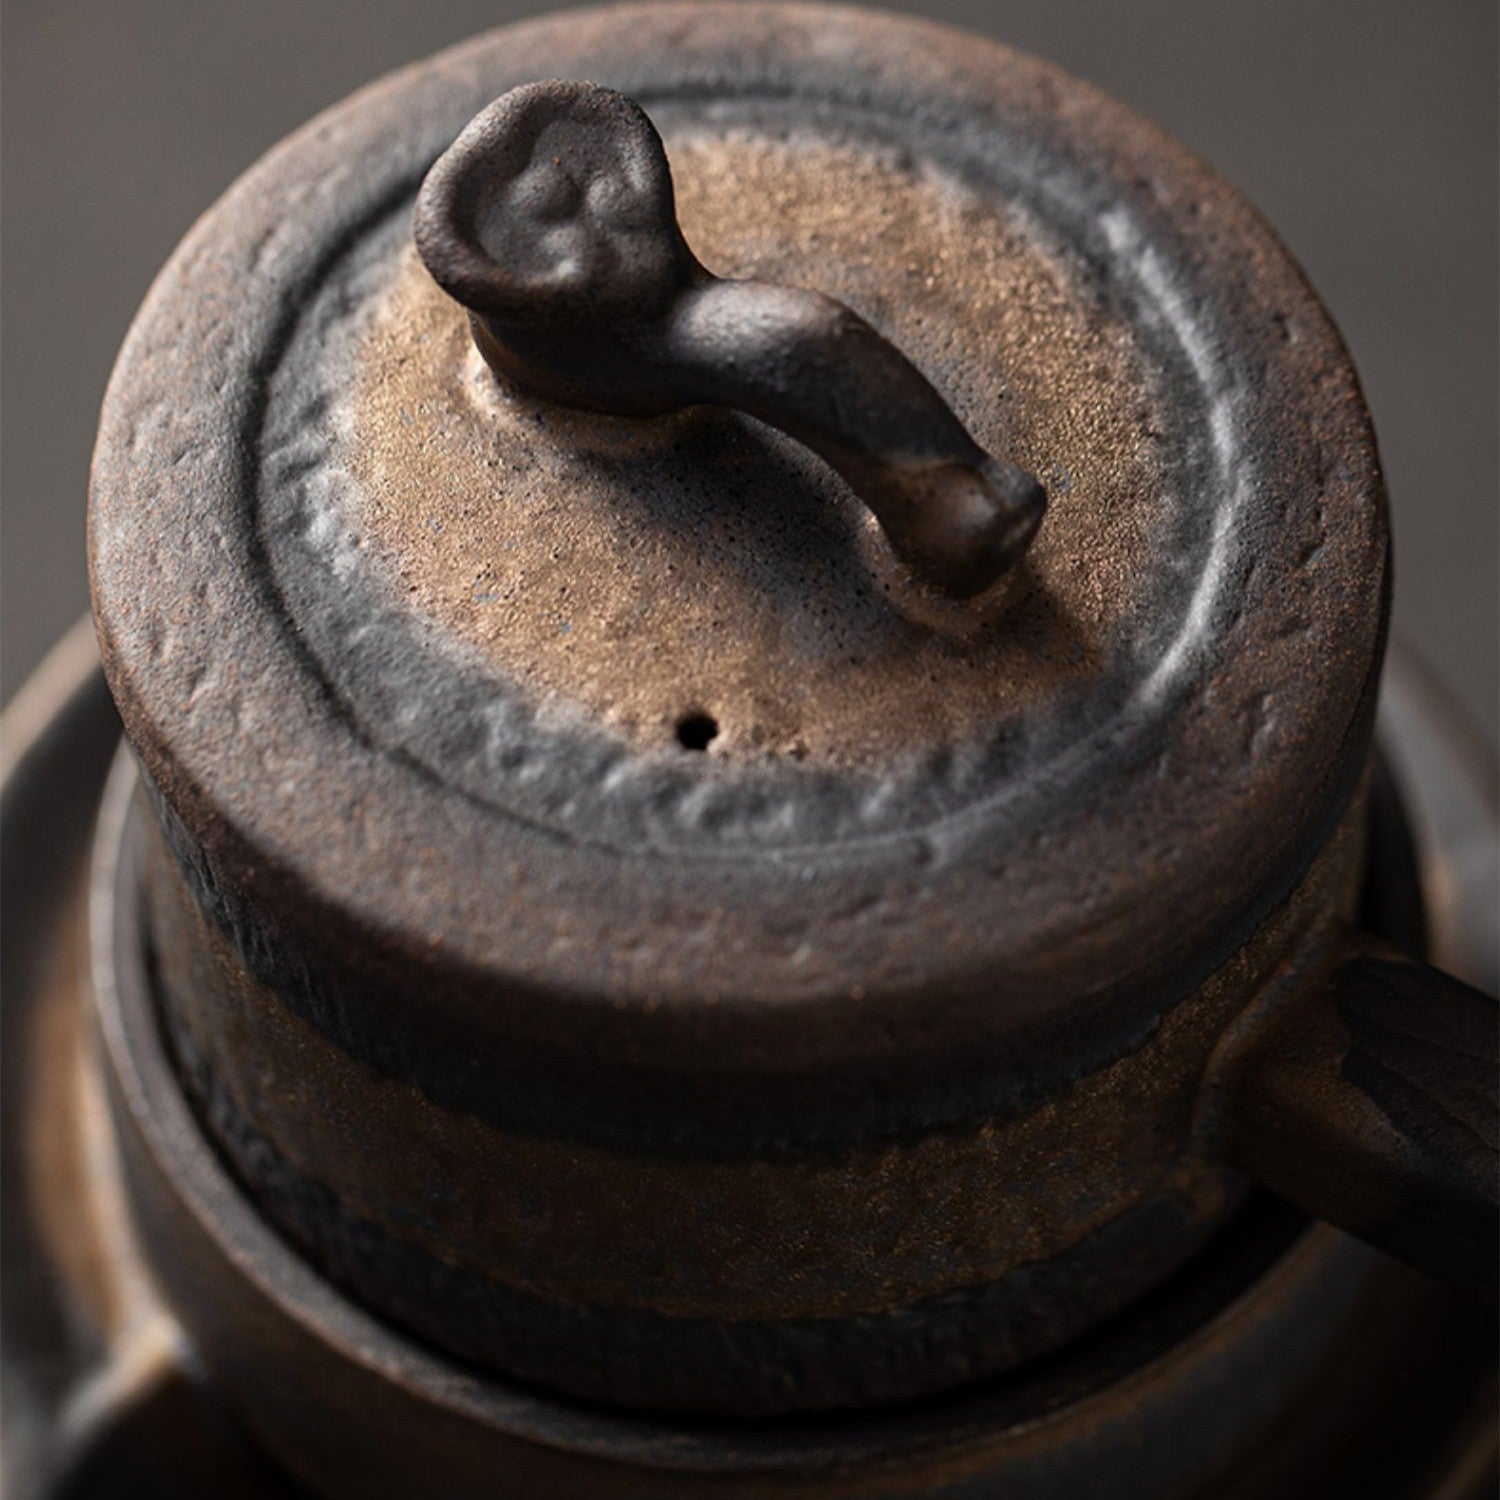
(750, 634)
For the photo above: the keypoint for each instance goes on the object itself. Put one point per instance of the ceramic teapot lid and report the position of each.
(630, 741)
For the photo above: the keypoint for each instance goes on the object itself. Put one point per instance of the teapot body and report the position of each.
(805, 1257)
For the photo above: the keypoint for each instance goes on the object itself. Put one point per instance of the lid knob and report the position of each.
(551, 219)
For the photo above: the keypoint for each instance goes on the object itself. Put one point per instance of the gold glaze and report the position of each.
(647, 571)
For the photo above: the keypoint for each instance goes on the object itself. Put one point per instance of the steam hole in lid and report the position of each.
(696, 731)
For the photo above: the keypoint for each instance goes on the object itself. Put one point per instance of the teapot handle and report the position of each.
(1371, 1101)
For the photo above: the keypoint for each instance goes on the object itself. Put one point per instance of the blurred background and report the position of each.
(1365, 129)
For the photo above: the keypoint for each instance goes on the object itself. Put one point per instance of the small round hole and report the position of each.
(695, 731)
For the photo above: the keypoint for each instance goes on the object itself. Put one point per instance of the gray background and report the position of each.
(1365, 129)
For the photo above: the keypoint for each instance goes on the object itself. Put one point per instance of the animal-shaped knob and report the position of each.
(552, 220)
